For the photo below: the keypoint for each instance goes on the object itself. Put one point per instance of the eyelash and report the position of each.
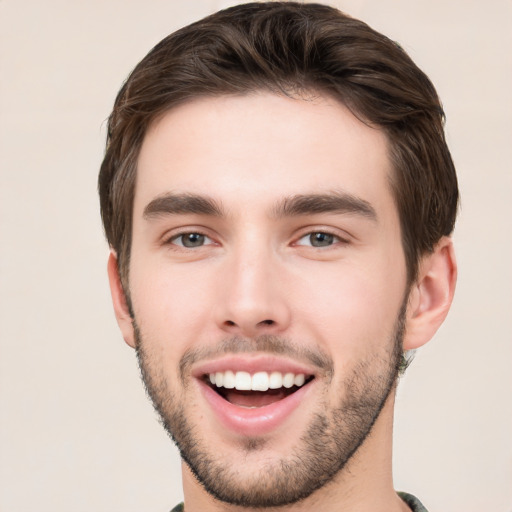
(172, 240)
(336, 239)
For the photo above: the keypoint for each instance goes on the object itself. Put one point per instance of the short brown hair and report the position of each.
(289, 48)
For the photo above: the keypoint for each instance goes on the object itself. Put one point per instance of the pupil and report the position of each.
(193, 240)
(321, 239)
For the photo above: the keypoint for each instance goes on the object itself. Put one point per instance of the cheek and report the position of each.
(350, 312)
(170, 304)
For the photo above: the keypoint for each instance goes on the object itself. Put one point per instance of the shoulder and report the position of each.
(413, 502)
(178, 508)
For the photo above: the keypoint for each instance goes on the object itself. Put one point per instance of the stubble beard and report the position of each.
(328, 444)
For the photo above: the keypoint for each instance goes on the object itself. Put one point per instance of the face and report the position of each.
(267, 281)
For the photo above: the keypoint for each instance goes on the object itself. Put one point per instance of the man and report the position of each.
(278, 197)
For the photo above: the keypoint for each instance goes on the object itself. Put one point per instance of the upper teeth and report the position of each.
(259, 381)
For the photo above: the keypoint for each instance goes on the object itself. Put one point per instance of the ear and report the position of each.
(121, 309)
(432, 294)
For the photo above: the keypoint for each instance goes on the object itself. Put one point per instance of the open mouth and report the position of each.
(256, 390)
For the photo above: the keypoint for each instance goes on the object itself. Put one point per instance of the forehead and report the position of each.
(260, 147)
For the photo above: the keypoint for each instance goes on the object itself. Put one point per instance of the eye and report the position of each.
(319, 239)
(190, 240)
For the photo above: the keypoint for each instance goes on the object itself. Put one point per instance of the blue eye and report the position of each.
(318, 239)
(190, 240)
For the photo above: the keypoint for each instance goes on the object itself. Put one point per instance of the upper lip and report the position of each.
(252, 364)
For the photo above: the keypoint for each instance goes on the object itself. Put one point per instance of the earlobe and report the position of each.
(432, 294)
(121, 309)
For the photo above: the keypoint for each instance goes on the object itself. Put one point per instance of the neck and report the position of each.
(364, 485)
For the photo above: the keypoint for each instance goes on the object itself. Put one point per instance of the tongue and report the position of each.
(255, 398)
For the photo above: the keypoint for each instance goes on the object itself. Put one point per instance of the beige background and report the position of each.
(76, 431)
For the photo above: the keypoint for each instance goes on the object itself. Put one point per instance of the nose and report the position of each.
(253, 300)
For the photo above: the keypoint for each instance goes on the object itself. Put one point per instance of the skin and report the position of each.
(258, 273)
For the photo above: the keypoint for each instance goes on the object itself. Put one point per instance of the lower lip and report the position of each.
(255, 421)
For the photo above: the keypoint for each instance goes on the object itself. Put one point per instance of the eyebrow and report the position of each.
(182, 204)
(302, 204)
(332, 202)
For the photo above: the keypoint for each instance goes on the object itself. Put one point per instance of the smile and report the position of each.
(254, 396)
(257, 390)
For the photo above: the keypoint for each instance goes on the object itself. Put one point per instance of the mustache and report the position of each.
(267, 343)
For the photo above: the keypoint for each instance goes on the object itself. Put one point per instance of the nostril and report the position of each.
(230, 324)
